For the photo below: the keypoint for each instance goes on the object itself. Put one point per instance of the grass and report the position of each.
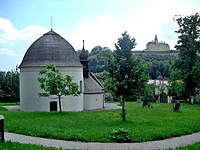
(195, 146)
(17, 146)
(9, 104)
(145, 124)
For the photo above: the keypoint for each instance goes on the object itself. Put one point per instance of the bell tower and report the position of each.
(84, 61)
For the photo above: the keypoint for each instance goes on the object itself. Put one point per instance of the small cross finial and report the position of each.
(51, 23)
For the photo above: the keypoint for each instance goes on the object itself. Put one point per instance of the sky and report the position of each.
(98, 22)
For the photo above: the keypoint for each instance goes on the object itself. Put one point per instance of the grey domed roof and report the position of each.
(84, 53)
(51, 48)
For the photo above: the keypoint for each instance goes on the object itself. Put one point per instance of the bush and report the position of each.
(148, 95)
(198, 99)
(121, 135)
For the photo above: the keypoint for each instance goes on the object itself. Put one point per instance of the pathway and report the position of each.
(152, 145)
(108, 106)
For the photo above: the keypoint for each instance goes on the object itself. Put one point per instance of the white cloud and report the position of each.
(7, 52)
(10, 35)
(142, 24)
(31, 33)
(102, 30)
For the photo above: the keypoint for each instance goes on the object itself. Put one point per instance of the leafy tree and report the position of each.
(176, 86)
(149, 93)
(9, 84)
(128, 73)
(189, 46)
(98, 59)
(158, 64)
(53, 82)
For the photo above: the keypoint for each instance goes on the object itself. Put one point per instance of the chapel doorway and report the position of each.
(53, 106)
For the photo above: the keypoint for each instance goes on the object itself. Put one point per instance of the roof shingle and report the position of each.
(51, 48)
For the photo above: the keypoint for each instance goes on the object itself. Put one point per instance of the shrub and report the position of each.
(148, 95)
(121, 135)
(198, 99)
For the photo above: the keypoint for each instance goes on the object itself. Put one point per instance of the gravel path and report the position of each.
(108, 106)
(12, 108)
(152, 145)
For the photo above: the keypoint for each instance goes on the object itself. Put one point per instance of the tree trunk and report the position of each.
(59, 97)
(123, 109)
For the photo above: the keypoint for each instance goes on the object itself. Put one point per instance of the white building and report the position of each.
(51, 48)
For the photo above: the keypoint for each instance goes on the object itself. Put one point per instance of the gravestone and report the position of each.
(177, 107)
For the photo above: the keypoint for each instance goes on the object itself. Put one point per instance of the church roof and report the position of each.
(84, 54)
(51, 48)
(92, 85)
(155, 42)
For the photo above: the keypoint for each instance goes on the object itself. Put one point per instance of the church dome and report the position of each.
(51, 48)
(84, 54)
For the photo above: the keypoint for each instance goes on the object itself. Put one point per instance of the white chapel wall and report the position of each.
(93, 101)
(29, 89)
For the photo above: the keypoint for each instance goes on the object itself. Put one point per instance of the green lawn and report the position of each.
(9, 104)
(145, 124)
(17, 146)
(195, 146)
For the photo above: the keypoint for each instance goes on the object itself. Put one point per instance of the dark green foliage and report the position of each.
(9, 84)
(53, 82)
(158, 64)
(197, 98)
(176, 86)
(189, 59)
(121, 135)
(99, 58)
(148, 97)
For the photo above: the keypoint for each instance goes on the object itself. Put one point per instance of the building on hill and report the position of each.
(155, 45)
(51, 48)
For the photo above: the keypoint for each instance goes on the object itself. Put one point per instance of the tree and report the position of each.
(128, 73)
(99, 58)
(189, 46)
(53, 82)
(176, 85)
(9, 84)
(158, 64)
(149, 93)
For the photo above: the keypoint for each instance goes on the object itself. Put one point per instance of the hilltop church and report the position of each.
(157, 46)
(51, 48)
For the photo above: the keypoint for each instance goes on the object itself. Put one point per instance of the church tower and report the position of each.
(156, 39)
(84, 61)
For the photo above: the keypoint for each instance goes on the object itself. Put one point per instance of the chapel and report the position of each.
(51, 48)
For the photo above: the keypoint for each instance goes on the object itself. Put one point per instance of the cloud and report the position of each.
(7, 52)
(14, 43)
(104, 29)
(10, 35)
